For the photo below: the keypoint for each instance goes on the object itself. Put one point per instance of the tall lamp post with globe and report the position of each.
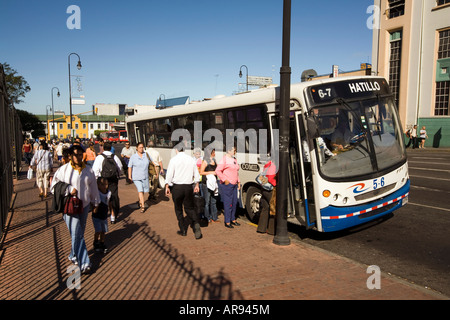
(70, 92)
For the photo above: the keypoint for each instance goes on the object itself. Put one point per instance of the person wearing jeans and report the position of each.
(209, 185)
(82, 183)
(228, 173)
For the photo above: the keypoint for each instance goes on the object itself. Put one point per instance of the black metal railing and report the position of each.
(11, 139)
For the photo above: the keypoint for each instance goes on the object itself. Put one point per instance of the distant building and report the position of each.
(107, 109)
(364, 70)
(84, 125)
(411, 49)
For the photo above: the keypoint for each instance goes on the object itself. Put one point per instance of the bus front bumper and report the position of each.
(338, 218)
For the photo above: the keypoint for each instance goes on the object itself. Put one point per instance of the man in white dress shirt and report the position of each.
(181, 174)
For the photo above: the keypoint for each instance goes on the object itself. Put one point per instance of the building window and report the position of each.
(395, 64)
(442, 105)
(84, 125)
(61, 126)
(444, 44)
(396, 8)
(442, 98)
(76, 126)
(106, 126)
(92, 126)
(442, 2)
(98, 126)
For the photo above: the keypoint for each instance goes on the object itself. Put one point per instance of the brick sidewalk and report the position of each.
(148, 260)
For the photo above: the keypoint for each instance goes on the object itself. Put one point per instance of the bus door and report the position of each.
(301, 173)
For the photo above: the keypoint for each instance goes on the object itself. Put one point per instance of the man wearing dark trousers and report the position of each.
(113, 179)
(181, 174)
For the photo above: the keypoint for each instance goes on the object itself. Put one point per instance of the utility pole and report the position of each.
(281, 235)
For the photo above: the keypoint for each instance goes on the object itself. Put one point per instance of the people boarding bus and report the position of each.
(347, 163)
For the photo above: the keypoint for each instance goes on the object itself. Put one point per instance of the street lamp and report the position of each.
(240, 74)
(70, 92)
(281, 235)
(48, 129)
(53, 110)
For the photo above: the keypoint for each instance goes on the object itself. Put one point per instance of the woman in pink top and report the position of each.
(228, 173)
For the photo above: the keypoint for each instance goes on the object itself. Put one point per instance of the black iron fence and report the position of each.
(11, 140)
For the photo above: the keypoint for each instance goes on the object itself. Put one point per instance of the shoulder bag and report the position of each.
(73, 206)
(263, 181)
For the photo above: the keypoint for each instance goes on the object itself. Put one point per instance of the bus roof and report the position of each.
(254, 97)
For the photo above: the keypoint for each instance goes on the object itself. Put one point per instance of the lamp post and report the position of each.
(70, 92)
(48, 129)
(53, 110)
(240, 74)
(281, 235)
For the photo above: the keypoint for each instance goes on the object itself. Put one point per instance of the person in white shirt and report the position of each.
(43, 160)
(81, 183)
(126, 154)
(113, 181)
(157, 161)
(181, 174)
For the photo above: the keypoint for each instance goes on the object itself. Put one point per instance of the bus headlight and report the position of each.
(335, 197)
(345, 200)
(326, 193)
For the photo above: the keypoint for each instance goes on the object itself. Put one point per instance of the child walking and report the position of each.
(100, 216)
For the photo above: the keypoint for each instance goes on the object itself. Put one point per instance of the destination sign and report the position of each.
(361, 88)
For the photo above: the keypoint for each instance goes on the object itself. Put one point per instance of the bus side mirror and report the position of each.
(313, 131)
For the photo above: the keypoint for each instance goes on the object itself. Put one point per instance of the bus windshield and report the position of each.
(361, 137)
(113, 135)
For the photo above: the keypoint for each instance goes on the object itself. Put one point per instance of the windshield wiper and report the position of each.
(371, 149)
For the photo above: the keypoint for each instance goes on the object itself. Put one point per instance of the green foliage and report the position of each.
(31, 123)
(16, 85)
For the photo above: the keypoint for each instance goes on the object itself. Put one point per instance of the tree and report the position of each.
(31, 123)
(16, 85)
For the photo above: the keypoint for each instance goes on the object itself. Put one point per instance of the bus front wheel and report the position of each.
(253, 203)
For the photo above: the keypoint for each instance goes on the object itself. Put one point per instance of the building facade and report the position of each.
(84, 125)
(411, 49)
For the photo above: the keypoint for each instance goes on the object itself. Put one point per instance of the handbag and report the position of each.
(263, 181)
(199, 203)
(30, 174)
(73, 206)
(151, 166)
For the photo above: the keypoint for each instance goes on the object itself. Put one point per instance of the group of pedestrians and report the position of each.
(417, 139)
(92, 178)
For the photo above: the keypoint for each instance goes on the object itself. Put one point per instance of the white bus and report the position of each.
(336, 181)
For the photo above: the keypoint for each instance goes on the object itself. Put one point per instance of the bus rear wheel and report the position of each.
(253, 203)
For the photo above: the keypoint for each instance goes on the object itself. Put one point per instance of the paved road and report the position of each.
(413, 243)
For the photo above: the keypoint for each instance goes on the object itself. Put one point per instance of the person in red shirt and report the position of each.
(27, 150)
(266, 221)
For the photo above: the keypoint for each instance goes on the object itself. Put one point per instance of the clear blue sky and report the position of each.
(134, 51)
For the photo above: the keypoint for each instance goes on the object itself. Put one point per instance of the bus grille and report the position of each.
(375, 193)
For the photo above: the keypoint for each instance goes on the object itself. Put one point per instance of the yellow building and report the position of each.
(84, 126)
